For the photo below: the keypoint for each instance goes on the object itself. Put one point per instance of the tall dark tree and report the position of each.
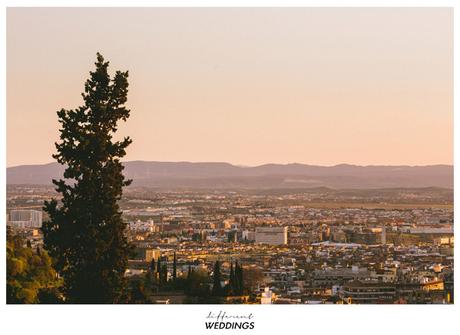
(159, 273)
(231, 282)
(235, 286)
(159, 266)
(216, 287)
(85, 232)
(164, 274)
(241, 280)
(253, 278)
(150, 276)
(174, 267)
(152, 265)
(238, 276)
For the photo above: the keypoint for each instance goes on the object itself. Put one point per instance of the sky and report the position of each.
(247, 86)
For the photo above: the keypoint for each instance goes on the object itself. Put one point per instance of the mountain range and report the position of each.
(268, 176)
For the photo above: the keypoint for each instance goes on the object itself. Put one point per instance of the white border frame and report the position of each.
(286, 319)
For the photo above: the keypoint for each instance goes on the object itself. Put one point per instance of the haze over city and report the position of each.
(245, 86)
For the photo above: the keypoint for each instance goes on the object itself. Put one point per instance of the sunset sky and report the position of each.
(244, 86)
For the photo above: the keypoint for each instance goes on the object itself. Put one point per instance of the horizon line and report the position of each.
(258, 165)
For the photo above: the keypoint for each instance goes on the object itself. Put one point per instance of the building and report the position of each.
(443, 240)
(152, 254)
(227, 223)
(361, 292)
(339, 236)
(383, 237)
(431, 230)
(330, 277)
(325, 234)
(147, 254)
(25, 218)
(248, 235)
(266, 296)
(271, 235)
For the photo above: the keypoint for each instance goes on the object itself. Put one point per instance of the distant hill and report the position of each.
(225, 175)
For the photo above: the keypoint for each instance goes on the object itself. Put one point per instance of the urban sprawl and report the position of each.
(316, 246)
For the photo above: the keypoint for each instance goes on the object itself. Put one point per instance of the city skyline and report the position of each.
(312, 86)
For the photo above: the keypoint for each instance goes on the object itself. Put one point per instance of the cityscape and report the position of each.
(317, 246)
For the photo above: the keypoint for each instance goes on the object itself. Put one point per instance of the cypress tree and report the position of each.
(235, 279)
(238, 279)
(159, 271)
(159, 264)
(85, 233)
(231, 282)
(152, 265)
(164, 274)
(188, 281)
(216, 288)
(175, 267)
(241, 280)
(151, 274)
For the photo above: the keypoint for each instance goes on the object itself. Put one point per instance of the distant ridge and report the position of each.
(225, 175)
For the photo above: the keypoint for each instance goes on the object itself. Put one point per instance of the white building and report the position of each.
(267, 296)
(383, 237)
(248, 235)
(271, 235)
(431, 230)
(25, 218)
(142, 226)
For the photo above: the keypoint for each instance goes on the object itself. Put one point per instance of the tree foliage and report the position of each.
(253, 278)
(30, 275)
(140, 290)
(217, 287)
(174, 267)
(197, 283)
(86, 233)
(235, 284)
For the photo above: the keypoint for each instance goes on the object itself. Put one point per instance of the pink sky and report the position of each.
(245, 86)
